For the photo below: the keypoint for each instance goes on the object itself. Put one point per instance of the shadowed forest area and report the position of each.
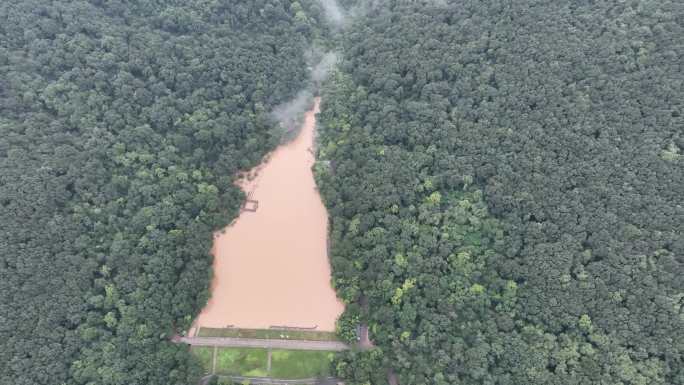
(505, 183)
(122, 124)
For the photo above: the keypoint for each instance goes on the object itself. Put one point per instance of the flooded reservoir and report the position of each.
(271, 266)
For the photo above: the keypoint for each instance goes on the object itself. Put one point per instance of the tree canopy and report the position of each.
(505, 182)
(123, 123)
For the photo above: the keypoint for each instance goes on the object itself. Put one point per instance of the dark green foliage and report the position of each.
(504, 179)
(364, 367)
(563, 122)
(121, 126)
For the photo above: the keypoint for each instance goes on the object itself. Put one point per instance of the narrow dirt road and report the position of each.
(264, 343)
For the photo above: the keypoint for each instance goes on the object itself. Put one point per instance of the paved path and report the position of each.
(276, 381)
(265, 343)
(213, 360)
(392, 378)
(364, 340)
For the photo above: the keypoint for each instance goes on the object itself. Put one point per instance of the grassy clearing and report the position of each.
(267, 333)
(242, 362)
(204, 354)
(253, 362)
(293, 364)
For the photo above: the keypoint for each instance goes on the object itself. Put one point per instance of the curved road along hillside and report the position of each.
(265, 343)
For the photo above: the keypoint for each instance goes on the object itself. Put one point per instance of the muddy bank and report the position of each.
(271, 265)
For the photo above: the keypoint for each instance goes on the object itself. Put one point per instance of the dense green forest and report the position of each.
(505, 182)
(121, 124)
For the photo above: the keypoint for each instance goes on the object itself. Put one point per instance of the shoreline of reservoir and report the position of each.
(271, 266)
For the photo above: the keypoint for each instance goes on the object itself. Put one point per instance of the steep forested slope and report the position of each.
(505, 181)
(121, 124)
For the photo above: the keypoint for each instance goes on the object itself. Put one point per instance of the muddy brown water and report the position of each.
(271, 266)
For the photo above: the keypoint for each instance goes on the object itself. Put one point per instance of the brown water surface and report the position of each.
(271, 266)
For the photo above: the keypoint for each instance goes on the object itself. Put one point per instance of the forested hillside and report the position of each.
(121, 124)
(506, 183)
